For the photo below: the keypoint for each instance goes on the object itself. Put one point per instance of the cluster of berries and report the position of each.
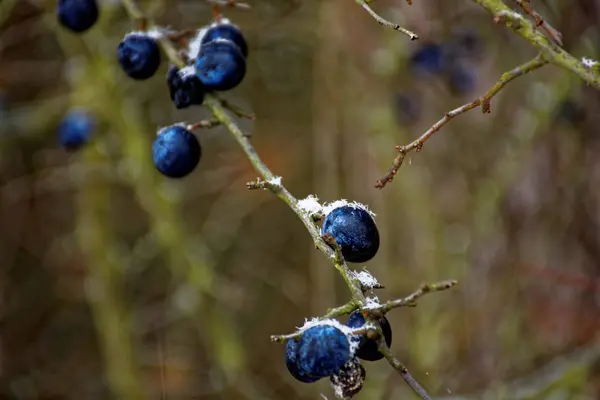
(216, 61)
(329, 349)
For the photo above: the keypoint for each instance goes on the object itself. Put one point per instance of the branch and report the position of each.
(410, 300)
(539, 21)
(553, 53)
(484, 101)
(269, 181)
(382, 21)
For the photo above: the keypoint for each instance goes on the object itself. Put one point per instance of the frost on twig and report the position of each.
(273, 184)
(367, 280)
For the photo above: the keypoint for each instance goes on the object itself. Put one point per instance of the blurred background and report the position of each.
(116, 282)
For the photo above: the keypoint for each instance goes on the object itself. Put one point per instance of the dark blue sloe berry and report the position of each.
(368, 348)
(349, 380)
(77, 15)
(76, 129)
(176, 151)
(429, 58)
(322, 351)
(226, 31)
(355, 232)
(466, 43)
(461, 78)
(220, 65)
(571, 112)
(184, 90)
(291, 359)
(139, 56)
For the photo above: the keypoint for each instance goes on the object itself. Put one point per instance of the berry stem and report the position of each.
(382, 21)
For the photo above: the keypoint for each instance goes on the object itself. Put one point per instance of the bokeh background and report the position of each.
(118, 283)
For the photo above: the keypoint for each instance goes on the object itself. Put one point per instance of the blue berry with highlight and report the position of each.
(76, 129)
(355, 231)
(229, 32)
(220, 65)
(139, 56)
(322, 351)
(176, 151)
(77, 15)
(291, 359)
(368, 349)
(184, 90)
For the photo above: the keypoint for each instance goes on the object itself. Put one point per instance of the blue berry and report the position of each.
(77, 15)
(349, 380)
(76, 129)
(465, 43)
(368, 348)
(429, 58)
(571, 112)
(461, 78)
(139, 56)
(184, 90)
(355, 232)
(291, 359)
(322, 351)
(229, 32)
(220, 65)
(176, 151)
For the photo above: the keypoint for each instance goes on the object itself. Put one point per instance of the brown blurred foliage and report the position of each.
(112, 276)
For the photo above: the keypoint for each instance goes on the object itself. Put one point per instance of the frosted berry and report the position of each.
(220, 65)
(355, 232)
(76, 129)
(176, 151)
(77, 15)
(139, 56)
(227, 31)
(349, 380)
(184, 90)
(291, 359)
(322, 351)
(368, 348)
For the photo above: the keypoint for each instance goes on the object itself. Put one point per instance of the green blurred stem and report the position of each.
(104, 284)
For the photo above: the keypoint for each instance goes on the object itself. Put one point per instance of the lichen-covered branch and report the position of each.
(540, 22)
(551, 51)
(483, 101)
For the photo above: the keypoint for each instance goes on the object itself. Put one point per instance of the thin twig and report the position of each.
(411, 300)
(203, 124)
(484, 101)
(539, 21)
(382, 21)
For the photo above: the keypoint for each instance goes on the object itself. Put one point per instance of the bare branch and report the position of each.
(402, 370)
(382, 21)
(484, 101)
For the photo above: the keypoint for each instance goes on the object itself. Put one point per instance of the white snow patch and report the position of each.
(327, 208)
(365, 278)
(372, 303)
(588, 62)
(310, 205)
(153, 33)
(187, 71)
(276, 181)
(196, 43)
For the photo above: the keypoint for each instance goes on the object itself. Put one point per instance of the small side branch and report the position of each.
(411, 300)
(539, 21)
(382, 21)
(484, 101)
